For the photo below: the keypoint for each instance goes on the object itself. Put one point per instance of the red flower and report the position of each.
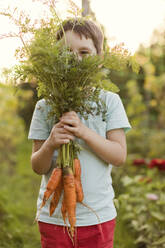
(158, 163)
(139, 162)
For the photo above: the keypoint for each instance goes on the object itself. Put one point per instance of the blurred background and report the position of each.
(139, 185)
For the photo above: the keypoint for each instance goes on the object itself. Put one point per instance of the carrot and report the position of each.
(70, 196)
(63, 210)
(55, 199)
(52, 184)
(79, 189)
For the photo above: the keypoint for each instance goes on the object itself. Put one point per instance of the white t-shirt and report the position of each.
(96, 174)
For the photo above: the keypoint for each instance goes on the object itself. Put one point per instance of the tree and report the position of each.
(86, 7)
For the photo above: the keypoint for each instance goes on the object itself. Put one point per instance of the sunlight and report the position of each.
(128, 21)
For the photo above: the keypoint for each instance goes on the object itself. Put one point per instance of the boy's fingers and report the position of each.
(71, 129)
(66, 136)
(59, 124)
(72, 122)
(71, 113)
(64, 131)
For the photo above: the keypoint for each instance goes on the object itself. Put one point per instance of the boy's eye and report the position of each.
(84, 52)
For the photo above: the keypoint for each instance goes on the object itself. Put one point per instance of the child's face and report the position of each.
(80, 46)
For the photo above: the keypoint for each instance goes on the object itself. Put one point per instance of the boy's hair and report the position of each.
(84, 27)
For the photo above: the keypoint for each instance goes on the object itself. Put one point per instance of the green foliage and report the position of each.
(155, 138)
(141, 204)
(136, 110)
(26, 95)
(123, 238)
(118, 58)
(143, 214)
(64, 81)
(143, 143)
(11, 126)
(152, 62)
(18, 194)
(16, 206)
(143, 96)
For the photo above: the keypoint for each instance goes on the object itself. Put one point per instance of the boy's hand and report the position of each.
(59, 135)
(73, 124)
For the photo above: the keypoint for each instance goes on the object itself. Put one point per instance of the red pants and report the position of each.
(55, 236)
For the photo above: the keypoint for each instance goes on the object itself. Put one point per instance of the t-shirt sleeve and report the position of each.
(39, 128)
(116, 115)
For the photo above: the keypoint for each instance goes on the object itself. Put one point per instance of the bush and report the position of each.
(18, 202)
(11, 126)
(142, 206)
(144, 143)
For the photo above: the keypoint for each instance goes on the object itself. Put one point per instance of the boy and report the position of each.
(104, 145)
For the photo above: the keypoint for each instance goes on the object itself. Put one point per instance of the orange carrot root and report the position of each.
(70, 197)
(55, 199)
(75, 238)
(53, 182)
(64, 215)
(64, 211)
(79, 189)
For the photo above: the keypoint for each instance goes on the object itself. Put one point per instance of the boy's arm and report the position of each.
(112, 149)
(41, 157)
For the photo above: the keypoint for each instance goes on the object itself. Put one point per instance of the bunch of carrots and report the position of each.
(66, 177)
